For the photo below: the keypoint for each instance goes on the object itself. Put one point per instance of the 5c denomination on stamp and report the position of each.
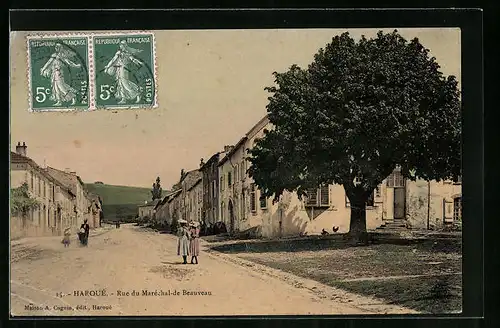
(58, 73)
(124, 70)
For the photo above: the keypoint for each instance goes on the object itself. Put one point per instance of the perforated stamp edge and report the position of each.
(154, 67)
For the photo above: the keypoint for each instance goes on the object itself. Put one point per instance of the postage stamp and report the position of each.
(124, 70)
(58, 73)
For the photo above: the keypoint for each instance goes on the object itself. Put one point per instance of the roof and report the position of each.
(17, 158)
(194, 184)
(213, 158)
(173, 195)
(191, 178)
(233, 150)
(151, 203)
(257, 127)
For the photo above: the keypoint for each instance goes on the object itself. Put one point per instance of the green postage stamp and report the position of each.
(124, 70)
(58, 73)
(88, 71)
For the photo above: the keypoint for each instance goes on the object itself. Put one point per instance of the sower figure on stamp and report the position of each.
(53, 69)
(183, 241)
(194, 241)
(117, 67)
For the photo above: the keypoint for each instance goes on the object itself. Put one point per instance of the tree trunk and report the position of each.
(357, 227)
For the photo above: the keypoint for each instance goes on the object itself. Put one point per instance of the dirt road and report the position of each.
(132, 271)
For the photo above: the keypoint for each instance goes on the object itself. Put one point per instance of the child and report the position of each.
(66, 240)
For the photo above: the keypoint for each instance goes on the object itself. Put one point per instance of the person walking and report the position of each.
(66, 239)
(85, 229)
(194, 241)
(183, 241)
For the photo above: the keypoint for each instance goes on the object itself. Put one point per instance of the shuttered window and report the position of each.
(263, 202)
(243, 171)
(318, 197)
(253, 200)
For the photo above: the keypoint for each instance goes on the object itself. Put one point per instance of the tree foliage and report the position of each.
(360, 109)
(21, 201)
(156, 191)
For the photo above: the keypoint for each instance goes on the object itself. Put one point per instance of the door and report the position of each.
(231, 216)
(280, 217)
(399, 203)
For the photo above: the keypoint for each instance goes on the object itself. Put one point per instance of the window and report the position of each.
(236, 173)
(221, 183)
(242, 206)
(319, 197)
(377, 191)
(222, 211)
(253, 201)
(243, 171)
(395, 179)
(459, 180)
(229, 179)
(44, 190)
(31, 185)
(457, 209)
(263, 202)
(214, 188)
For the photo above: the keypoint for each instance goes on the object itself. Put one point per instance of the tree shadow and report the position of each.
(335, 242)
(173, 263)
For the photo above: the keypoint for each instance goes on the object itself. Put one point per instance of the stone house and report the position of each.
(163, 211)
(210, 180)
(75, 183)
(56, 211)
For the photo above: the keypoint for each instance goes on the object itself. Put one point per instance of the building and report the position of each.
(74, 182)
(57, 201)
(163, 209)
(146, 210)
(211, 187)
(194, 195)
(395, 202)
(188, 180)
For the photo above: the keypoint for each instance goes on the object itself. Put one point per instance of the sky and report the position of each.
(210, 93)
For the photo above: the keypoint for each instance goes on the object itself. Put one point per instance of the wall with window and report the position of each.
(433, 204)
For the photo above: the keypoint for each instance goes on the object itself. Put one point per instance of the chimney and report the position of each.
(228, 148)
(21, 150)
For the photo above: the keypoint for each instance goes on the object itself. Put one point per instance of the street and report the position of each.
(134, 271)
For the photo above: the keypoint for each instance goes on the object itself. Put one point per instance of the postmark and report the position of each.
(124, 71)
(58, 74)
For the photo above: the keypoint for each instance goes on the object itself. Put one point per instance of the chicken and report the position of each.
(335, 229)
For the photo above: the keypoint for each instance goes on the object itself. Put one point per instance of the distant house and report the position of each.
(146, 210)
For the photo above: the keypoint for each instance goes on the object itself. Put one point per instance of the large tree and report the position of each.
(359, 110)
(21, 202)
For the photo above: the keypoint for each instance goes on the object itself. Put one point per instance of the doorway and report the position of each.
(231, 216)
(399, 203)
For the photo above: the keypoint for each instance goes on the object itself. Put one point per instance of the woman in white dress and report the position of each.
(53, 69)
(117, 67)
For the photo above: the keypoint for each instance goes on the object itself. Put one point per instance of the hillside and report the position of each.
(119, 201)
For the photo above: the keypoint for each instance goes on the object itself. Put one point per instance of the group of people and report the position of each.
(83, 234)
(189, 241)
